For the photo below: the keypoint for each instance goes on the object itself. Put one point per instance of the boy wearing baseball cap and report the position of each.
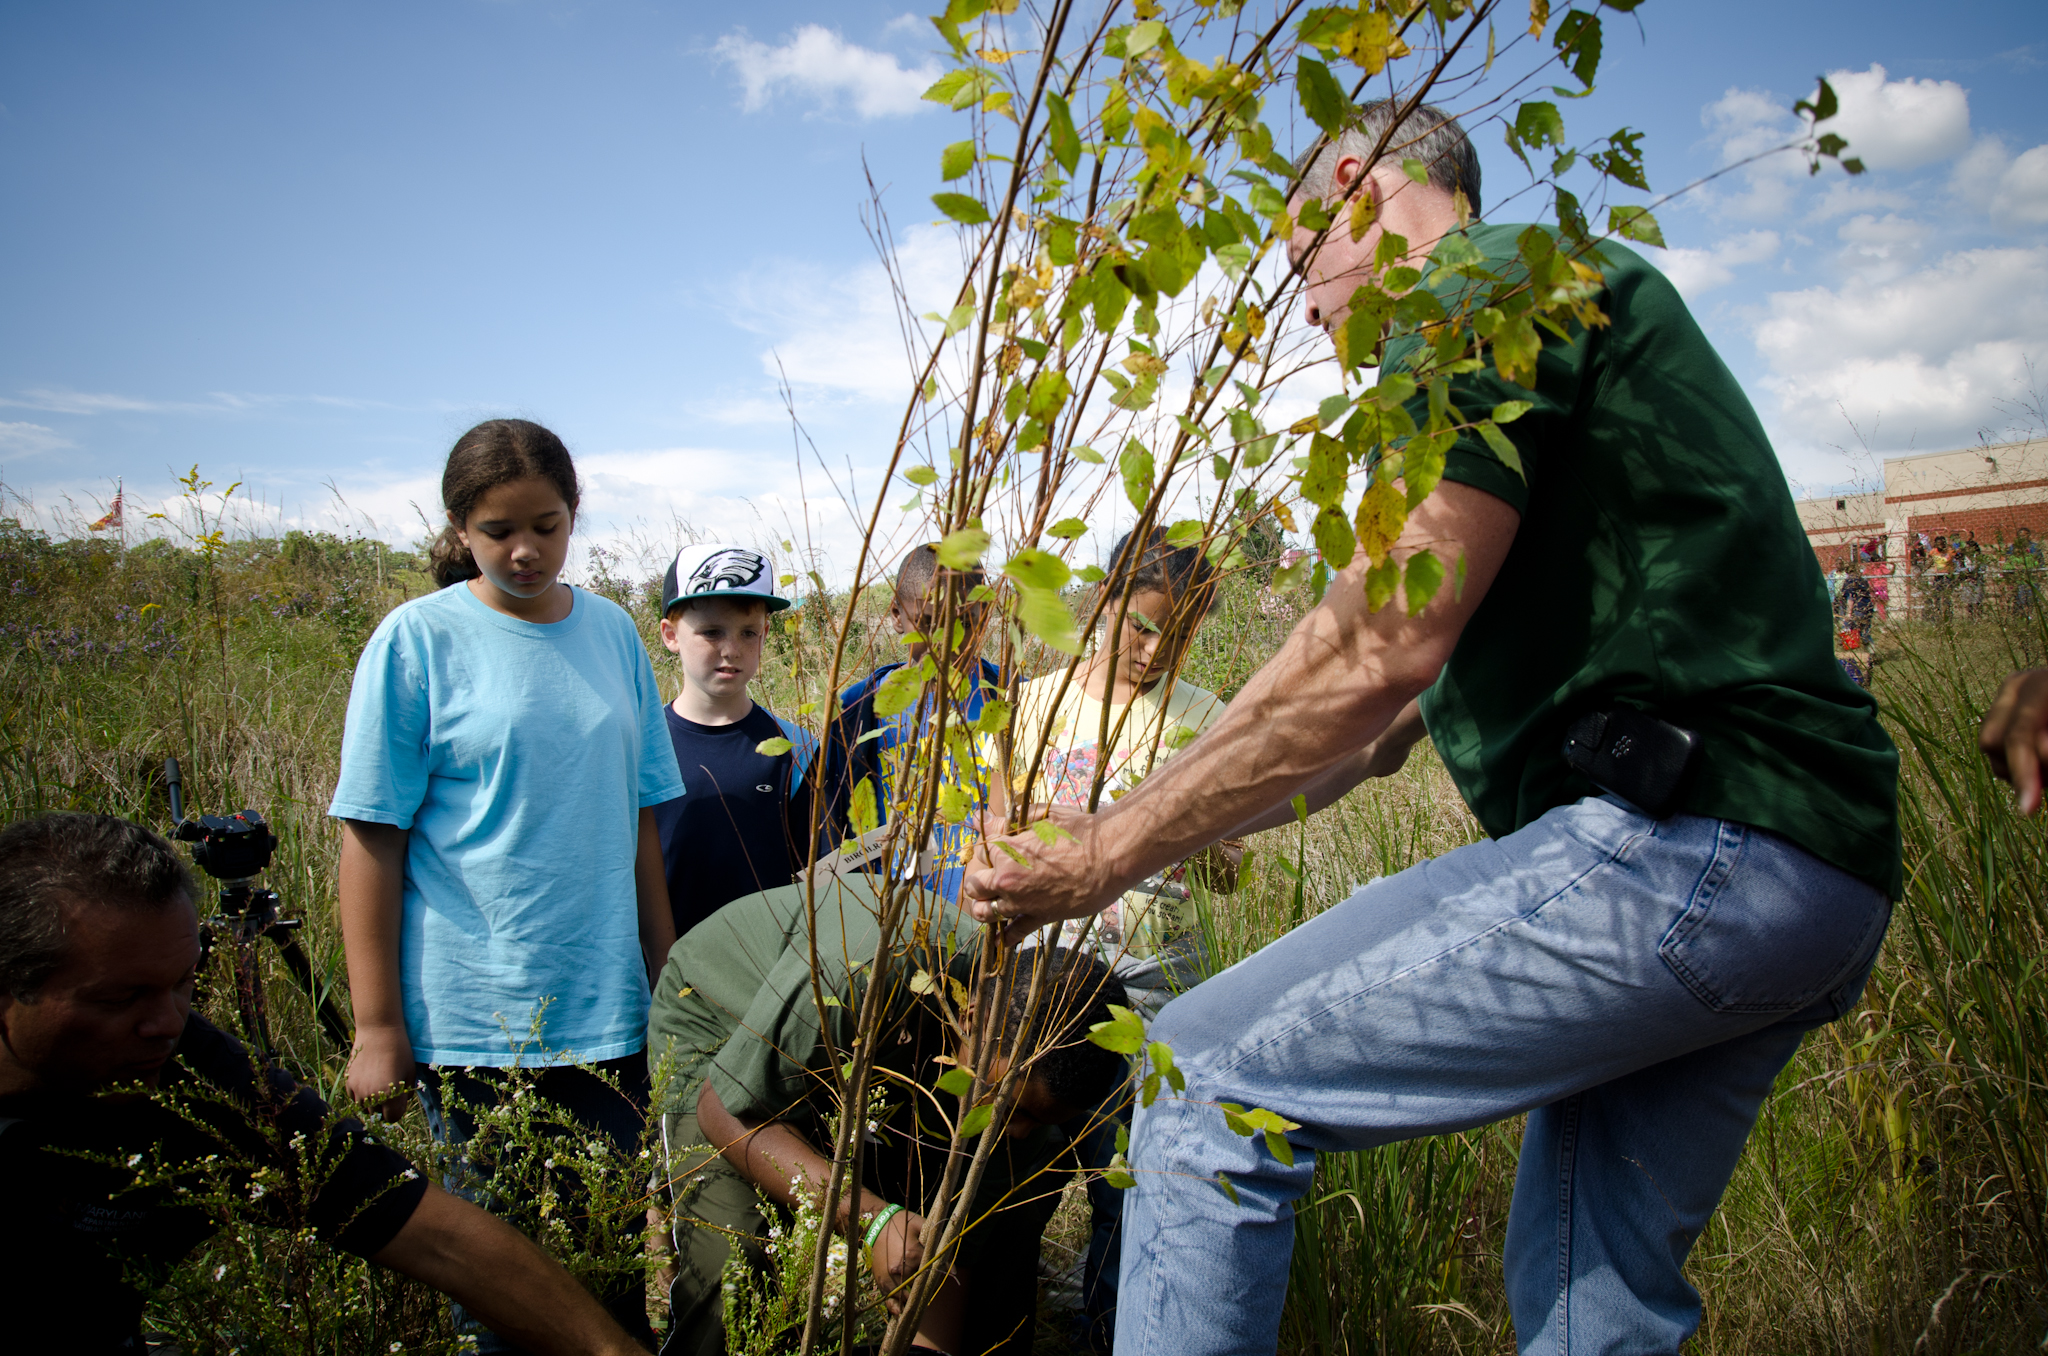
(744, 824)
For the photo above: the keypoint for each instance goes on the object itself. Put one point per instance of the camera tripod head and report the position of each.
(226, 847)
(235, 849)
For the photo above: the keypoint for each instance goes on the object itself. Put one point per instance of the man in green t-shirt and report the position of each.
(751, 1098)
(1632, 955)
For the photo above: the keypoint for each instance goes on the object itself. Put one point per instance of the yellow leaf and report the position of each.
(1285, 515)
(1539, 15)
(1361, 216)
(1382, 513)
(995, 56)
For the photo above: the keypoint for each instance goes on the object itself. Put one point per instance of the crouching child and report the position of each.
(751, 1102)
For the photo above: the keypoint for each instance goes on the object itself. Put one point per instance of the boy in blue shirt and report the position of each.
(852, 758)
(743, 825)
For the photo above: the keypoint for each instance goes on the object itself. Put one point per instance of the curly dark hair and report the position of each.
(52, 859)
(495, 452)
(1183, 573)
(1077, 1072)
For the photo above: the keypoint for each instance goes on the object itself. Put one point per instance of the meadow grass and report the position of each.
(1891, 1200)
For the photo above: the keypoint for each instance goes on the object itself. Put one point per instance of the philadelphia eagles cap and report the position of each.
(718, 570)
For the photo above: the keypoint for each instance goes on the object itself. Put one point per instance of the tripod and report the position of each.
(235, 850)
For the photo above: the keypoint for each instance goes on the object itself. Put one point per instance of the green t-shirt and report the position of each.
(734, 1006)
(1659, 565)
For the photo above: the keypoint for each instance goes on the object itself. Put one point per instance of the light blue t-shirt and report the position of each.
(519, 755)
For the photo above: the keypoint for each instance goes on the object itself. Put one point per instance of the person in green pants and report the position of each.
(749, 1096)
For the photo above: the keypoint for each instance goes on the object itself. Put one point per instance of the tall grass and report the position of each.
(1892, 1199)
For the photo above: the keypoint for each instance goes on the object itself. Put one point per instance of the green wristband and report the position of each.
(878, 1223)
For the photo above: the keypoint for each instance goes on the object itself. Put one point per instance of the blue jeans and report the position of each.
(1635, 985)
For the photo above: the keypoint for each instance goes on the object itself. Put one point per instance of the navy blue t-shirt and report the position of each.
(735, 830)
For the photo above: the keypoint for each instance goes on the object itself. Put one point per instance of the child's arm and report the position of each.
(650, 883)
(372, 906)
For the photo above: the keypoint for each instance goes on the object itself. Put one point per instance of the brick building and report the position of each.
(1989, 491)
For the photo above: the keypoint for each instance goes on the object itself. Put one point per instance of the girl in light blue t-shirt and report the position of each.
(502, 899)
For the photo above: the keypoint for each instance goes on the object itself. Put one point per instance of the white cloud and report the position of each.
(1899, 124)
(2022, 197)
(28, 440)
(80, 402)
(1747, 122)
(1695, 271)
(1923, 360)
(817, 62)
(1881, 248)
(840, 331)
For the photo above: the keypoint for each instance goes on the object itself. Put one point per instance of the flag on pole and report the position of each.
(113, 518)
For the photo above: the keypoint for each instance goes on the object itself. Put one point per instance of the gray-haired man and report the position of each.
(1634, 981)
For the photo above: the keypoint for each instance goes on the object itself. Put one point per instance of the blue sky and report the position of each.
(306, 245)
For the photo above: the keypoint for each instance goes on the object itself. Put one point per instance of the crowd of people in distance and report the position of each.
(1945, 577)
(546, 867)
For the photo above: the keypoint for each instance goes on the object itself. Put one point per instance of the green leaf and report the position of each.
(921, 475)
(1136, 463)
(1415, 170)
(1143, 37)
(1425, 574)
(1186, 532)
(1091, 574)
(1503, 447)
(1124, 1033)
(961, 208)
(956, 160)
(1118, 1173)
(1049, 391)
(1066, 529)
(962, 550)
(1045, 614)
(976, 1120)
(860, 808)
(773, 748)
(1048, 833)
(1064, 142)
(1508, 411)
(1223, 1185)
(1578, 43)
(994, 717)
(1635, 223)
(1038, 569)
(1322, 98)
(1332, 409)
(1381, 581)
(901, 689)
(1277, 1145)
(947, 86)
(956, 1082)
(1087, 454)
(1333, 537)
(1329, 469)
(1536, 124)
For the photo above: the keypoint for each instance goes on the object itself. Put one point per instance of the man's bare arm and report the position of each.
(1382, 758)
(502, 1277)
(1336, 685)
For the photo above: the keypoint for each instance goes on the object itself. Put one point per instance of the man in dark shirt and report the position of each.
(114, 1096)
